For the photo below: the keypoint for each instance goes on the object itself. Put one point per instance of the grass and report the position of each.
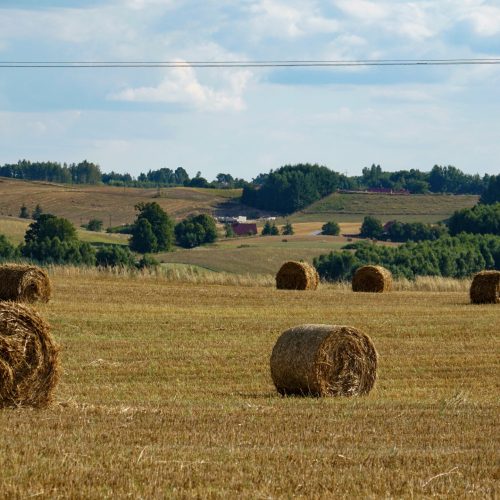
(343, 207)
(249, 258)
(262, 255)
(166, 392)
(15, 229)
(113, 205)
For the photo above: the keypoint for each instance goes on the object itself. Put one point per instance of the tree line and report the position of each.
(450, 256)
(87, 172)
(284, 190)
(291, 188)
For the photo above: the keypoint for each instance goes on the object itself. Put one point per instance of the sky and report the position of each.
(245, 121)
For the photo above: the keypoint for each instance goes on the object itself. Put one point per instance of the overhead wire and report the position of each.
(250, 64)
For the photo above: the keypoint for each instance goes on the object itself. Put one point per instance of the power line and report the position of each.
(249, 64)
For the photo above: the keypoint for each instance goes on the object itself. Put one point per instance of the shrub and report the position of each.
(196, 230)
(7, 250)
(287, 229)
(94, 225)
(52, 239)
(330, 228)
(114, 256)
(371, 227)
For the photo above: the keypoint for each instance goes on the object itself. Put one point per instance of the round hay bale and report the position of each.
(297, 276)
(324, 360)
(24, 283)
(372, 279)
(485, 288)
(29, 365)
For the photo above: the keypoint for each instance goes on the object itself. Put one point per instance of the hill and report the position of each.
(410, 208)
(15, 229)
(113, 205)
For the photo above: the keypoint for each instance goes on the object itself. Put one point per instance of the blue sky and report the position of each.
(247, 120)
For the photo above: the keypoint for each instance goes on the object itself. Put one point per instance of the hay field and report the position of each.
(113, 205)
(166, 393)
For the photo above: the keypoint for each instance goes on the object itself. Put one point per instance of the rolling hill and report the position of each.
(113, 205)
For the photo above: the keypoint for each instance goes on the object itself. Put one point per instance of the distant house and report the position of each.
(388, 225)
(388, 191)
(244, 229)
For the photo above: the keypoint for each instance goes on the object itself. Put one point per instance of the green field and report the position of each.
(166, 392)
(15, 229)
(343, 207)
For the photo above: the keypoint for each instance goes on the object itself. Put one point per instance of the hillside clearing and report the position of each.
(354, 207)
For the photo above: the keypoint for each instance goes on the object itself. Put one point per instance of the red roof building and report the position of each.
(244, 229)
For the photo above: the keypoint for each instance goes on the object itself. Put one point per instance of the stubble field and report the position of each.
(166, 393)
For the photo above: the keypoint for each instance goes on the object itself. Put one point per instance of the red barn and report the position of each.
(244, 229)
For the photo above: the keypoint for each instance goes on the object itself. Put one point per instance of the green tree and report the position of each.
(52, 239)
(330, 228)
(114, 256)
(7, 250)
(143, 238)
(37, 212)
(23, 212)
(270, 229)
(336, 266)
(196, 230)
(481, 219)
(229, 231)
(287, 229)
(94, 225)
(161, 225)
(371, 227)
(492, 192)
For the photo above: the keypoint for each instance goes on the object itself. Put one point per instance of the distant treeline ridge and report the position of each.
(285, 190)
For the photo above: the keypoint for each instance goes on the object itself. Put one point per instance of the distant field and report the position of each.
(354, 207)
(166, 392)
(113, 205)
(261, 254)
(15, 229)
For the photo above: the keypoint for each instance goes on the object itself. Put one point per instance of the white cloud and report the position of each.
(364, 9)
(485, 20)
(182, 86)
(272, 18)
(143, 4)
(408, 19)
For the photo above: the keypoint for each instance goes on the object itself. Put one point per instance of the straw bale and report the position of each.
(24, 283)
(485, 288)
(324, 360)
(297, 276)
(372, 279)
(29, 366)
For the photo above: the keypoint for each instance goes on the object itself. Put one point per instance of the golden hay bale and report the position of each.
(29, 366)
(372, 279)
(324, 360)
(485, 288)
(297, 276)
(24, 283)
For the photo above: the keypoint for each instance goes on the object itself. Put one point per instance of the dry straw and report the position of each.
(485, 288)
(324, 360)
(24, 283)
(372, 279)
(29, 364)
(297, 276)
